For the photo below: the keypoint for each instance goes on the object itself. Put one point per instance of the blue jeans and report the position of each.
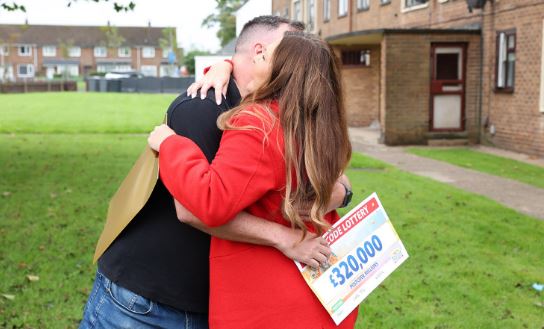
(112, 306)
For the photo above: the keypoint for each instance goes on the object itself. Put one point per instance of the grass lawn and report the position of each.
(472, 261)
(488, 163)
(72, 112)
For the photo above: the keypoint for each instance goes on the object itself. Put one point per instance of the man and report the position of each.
(155, 274)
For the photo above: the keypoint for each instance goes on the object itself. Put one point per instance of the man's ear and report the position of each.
(258, 49)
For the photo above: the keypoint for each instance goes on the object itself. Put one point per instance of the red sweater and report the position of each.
(251, 286)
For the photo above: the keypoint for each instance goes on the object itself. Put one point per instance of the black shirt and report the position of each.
(156, 255)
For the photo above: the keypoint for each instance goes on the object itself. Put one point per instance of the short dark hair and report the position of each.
(268, 23)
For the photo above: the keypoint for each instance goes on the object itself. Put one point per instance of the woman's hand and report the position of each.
(312, 251)
(217, 77)
(158, 135)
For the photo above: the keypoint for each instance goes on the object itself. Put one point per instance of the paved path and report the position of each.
(524, 198)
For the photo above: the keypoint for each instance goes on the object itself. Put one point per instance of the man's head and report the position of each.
(253, 39)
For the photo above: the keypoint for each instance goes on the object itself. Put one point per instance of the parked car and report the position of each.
(120, 75)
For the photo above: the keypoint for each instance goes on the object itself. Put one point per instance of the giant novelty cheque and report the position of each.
(365, 251)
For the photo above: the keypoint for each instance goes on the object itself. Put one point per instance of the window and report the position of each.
(286, 14)
(68, 70)
(25, 70)
(297, 11)
(506, 61)
(167, 70)
(74, 51)
(149, 70)
(6, 73)
(414, 4)
(326, 10)
(363, 4)
(123, 52)
(342, 8)
(311, 15)
(166, 51)
(100, 52)
(4, 50)
(104, 68)
(385, 2)
(25, 50)
(49, 51)
(356, 57)
(148, 52)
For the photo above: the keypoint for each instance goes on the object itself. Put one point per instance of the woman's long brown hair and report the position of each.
(305, 79)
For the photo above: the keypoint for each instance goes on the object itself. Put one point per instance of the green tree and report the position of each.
(225, 19)
(169, 41)
(118, 6)
(113, 38)
(189, 59)
(64, 52)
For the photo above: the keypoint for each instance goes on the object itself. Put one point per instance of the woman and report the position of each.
(282, 151)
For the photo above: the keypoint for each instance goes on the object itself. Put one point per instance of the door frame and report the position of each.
(434, 86)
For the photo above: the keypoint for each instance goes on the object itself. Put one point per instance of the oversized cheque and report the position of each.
(365, 250)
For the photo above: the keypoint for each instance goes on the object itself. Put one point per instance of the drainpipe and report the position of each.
(480, 100)
(35, 59)
(490, 77)
(350, 15)
(138, 50)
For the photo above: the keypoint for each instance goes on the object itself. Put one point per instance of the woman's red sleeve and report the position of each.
(242, 172)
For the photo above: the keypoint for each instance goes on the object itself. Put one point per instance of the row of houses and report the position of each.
(30, 51)
(429, 70)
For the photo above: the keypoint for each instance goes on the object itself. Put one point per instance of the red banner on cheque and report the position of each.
(356, 216)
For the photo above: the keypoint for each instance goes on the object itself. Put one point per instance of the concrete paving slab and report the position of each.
(524, 198)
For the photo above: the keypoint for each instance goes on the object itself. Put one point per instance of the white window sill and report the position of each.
(413, 8)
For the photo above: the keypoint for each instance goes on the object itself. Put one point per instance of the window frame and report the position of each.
(352, 52)
(326, 11)
(145, 67)
(123, 55)
(72, 51)
(51, 54)
(27, 75)
(165, 51)
(95, 54)
(299, 4)
(366, 8)
(311, 17)
(4, 50)
(152, 55)
(405, 8)
(341, 15)
(505, 89)
(29, 47)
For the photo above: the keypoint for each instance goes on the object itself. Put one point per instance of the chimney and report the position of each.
(149, 23)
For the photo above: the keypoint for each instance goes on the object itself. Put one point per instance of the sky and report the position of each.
(185, 15)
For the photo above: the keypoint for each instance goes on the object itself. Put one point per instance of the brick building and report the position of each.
(29, 51)
(430, 69)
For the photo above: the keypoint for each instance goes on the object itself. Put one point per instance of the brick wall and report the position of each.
(515, 116)
(452, 13)
(406, 73)
(362, 88)
(14, 59)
